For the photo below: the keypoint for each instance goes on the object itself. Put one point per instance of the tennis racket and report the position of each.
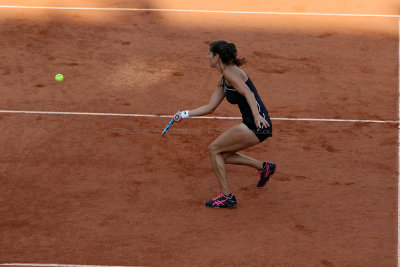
(170, 124)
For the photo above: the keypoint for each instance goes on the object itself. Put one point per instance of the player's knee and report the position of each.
(212, 149)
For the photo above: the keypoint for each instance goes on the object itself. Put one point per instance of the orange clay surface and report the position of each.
(112, 191)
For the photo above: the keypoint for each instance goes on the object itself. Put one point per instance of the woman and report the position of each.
(256, 126)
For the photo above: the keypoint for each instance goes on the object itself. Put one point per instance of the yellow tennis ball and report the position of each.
(59, 77)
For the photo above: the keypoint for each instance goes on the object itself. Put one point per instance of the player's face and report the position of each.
(213, 60)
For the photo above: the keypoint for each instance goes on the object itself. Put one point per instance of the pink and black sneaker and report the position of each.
(265, 173)
(222, 201)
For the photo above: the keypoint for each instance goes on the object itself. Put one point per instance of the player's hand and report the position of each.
(260, 122)
(177, 116)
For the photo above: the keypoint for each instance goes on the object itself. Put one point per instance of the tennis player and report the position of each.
(255, 127)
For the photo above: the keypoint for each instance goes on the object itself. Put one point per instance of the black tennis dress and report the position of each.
(234, 97)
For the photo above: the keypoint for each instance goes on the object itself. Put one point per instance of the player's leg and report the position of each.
(240, 159)
(265, 169)
(235, 139)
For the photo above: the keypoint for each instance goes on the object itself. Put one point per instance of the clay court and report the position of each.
(87, 179)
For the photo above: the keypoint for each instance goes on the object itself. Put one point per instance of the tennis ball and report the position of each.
(59, 77)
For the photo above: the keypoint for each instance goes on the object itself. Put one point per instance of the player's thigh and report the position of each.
(235, 139)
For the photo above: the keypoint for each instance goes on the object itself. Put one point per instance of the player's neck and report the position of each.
(220, 67)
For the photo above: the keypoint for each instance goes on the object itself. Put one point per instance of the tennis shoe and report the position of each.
(222, 201)
(269, 169)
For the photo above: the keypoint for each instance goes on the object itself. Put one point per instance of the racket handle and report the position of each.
(176, 117)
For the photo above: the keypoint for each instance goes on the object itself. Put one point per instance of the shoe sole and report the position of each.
(221, 207)
(272, 173)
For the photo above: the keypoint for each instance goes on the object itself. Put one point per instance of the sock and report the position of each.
(264, 167)
(228, 195)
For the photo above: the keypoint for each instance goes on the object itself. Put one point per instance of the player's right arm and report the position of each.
(215, 100)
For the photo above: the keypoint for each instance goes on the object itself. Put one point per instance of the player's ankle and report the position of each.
(263, 167)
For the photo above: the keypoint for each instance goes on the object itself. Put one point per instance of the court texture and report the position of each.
(87, 179)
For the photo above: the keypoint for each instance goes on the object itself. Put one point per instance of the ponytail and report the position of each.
(227, 52)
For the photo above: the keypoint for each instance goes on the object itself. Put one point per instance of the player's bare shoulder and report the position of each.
(234, 72)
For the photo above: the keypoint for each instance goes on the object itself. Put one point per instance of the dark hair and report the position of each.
(227, 52)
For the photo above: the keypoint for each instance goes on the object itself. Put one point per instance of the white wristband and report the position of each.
(185, 114)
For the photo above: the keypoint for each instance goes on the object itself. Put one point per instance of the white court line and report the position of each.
(58, 265)
(169, 116)
(203, 11)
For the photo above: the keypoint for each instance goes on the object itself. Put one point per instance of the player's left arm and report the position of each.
(235, 79)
